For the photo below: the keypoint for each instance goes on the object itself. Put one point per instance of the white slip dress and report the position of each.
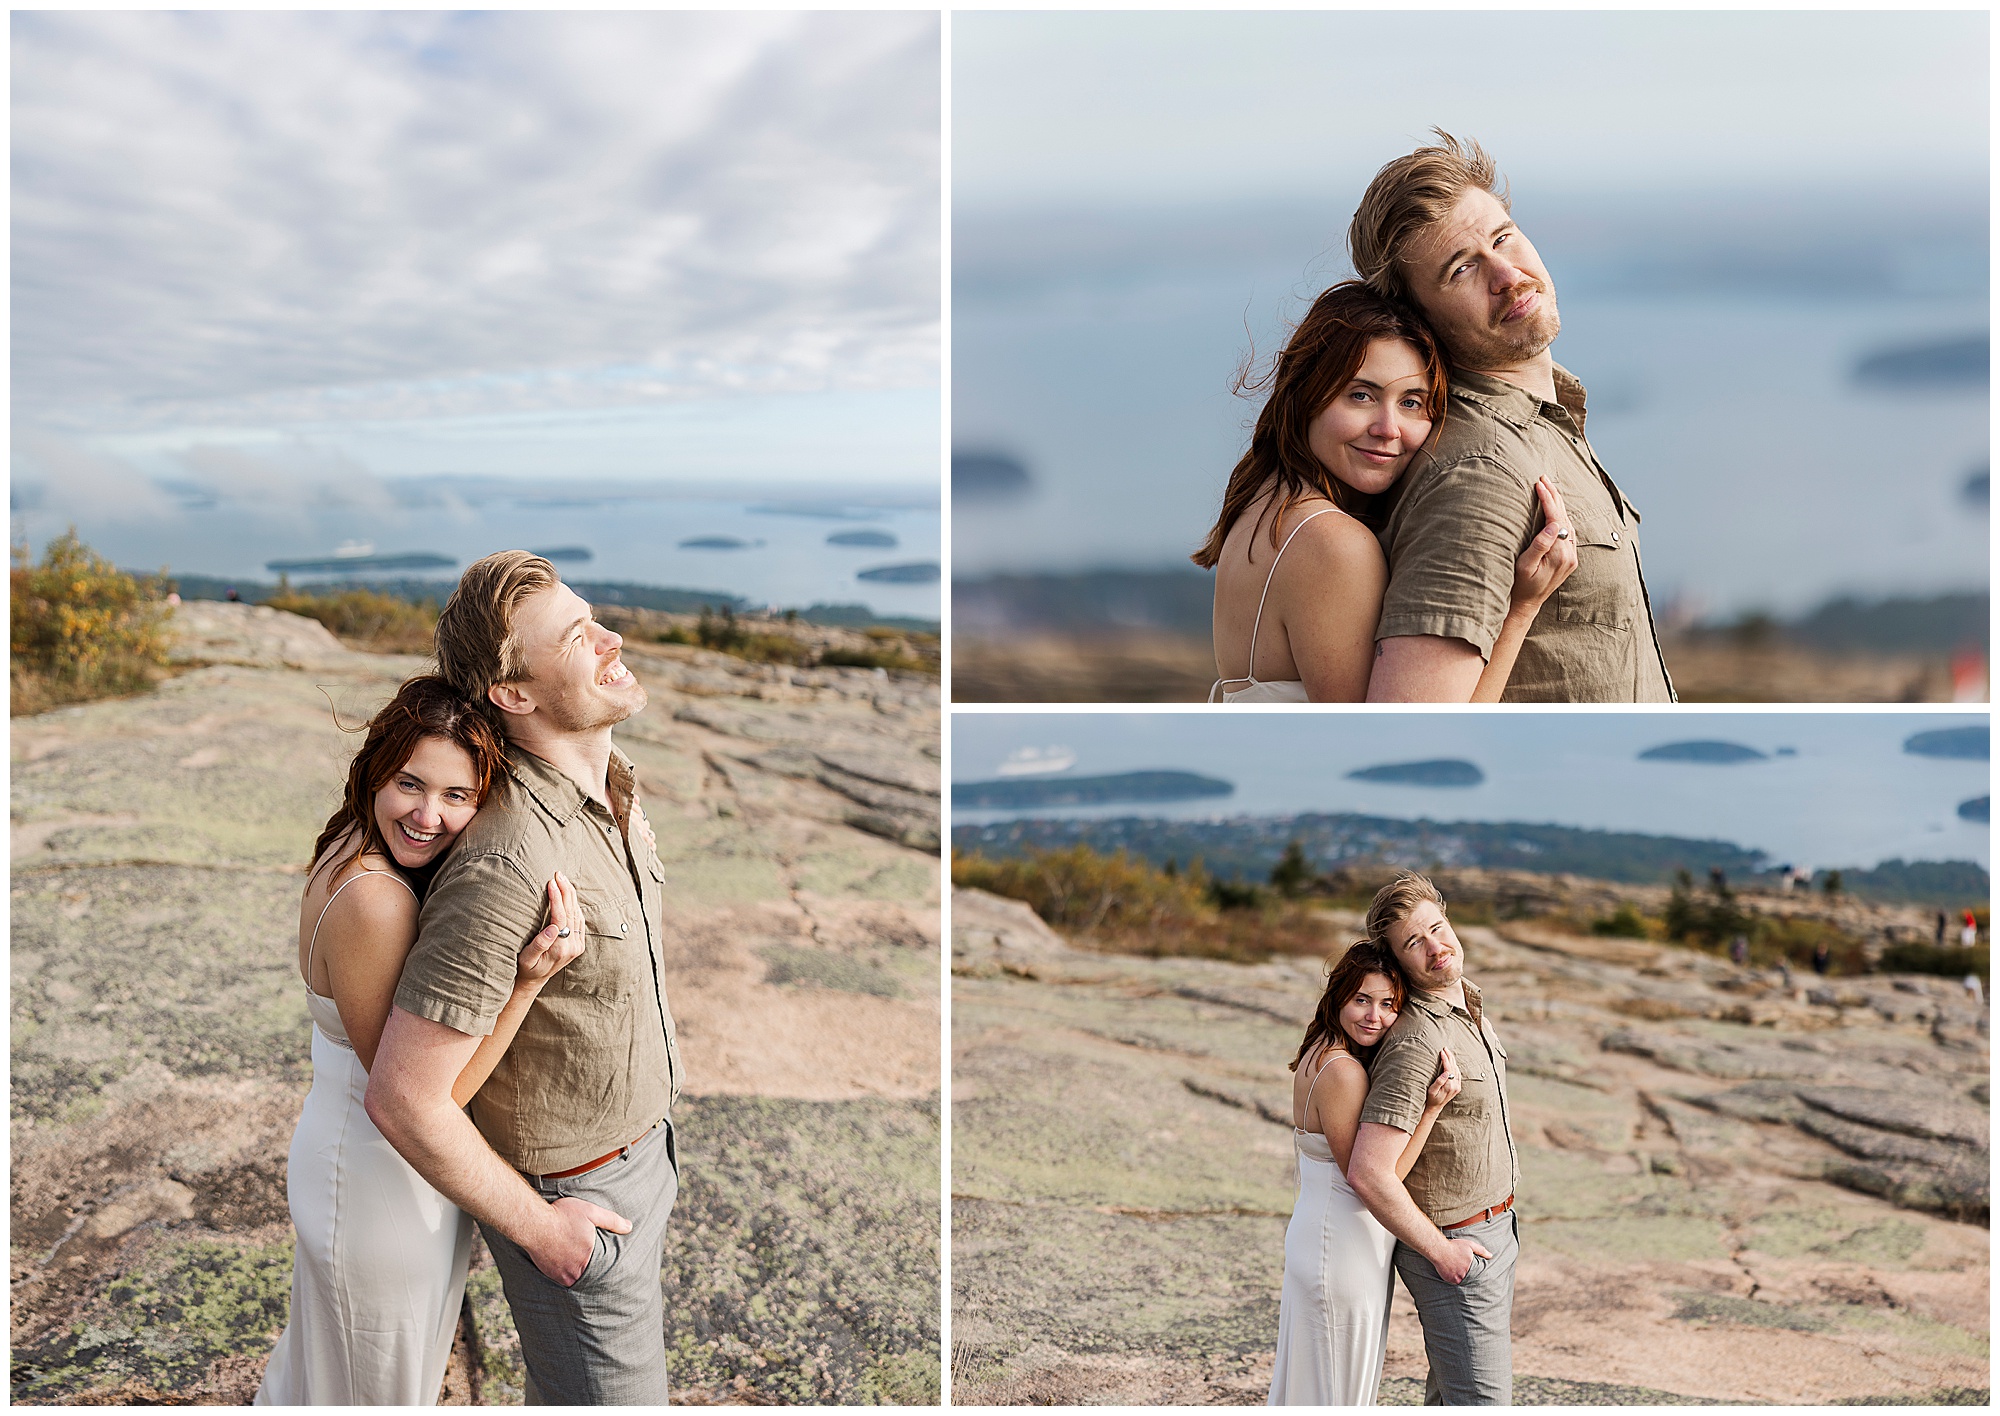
(378, 1272)
(1333, 1316)
(1266, 690)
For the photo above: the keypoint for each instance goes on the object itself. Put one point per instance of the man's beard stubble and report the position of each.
(576, 713)
(1500, 347)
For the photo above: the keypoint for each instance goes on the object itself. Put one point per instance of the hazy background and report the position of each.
(451, 282)
(1737, 209)
(1848, 795)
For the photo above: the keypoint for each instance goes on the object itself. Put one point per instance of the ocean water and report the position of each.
(1848, 794)
(1767, 477)
(785, 558)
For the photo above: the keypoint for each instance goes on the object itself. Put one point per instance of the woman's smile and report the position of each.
(421, 809)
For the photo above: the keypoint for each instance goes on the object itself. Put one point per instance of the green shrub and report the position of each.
(726, 635)
(890, 656)
(1121, 904)
(1949, 962)
(80, 628)
(1706, 922)
(1795, 939)
(365, 618)
(1081, 890)
(1625, 922)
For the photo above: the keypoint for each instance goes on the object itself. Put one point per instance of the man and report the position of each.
(1432, 231)
(1453, 1218)
(567, 1159)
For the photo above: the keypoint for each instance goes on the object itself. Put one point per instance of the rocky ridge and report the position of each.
(1733, 1191)
(159, 1037)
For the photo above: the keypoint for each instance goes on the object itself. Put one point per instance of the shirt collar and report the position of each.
(1438, 1008)
(553, 790)
(1515, 403)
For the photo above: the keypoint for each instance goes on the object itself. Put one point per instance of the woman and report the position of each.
(380, 1262)
(1354, 394)
(1333, 1319)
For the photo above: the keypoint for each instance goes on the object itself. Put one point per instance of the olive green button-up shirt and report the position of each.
(595, 1062)
(1469, 1162)
(1466, 509)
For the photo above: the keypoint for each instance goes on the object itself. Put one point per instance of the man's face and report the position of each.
(1484, 289)
(574, 672)
(1427, 949)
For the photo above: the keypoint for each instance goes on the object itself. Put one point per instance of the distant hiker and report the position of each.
(1822, 958)
(231, 595)
(1941, 927)
(1969, 935)
(1453, 1214)
(1739, 951)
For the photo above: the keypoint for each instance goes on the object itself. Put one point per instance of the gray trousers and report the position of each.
(600, 1342)
(1466, 1325)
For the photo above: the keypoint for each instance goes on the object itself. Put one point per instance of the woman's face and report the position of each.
(422, 808)
(1366, 436)
(1367, 1015)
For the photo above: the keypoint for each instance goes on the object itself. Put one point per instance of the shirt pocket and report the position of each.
(1478, 1086)
(603, 971)
(1595, 592)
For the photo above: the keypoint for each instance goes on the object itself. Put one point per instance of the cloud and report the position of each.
(238, 217)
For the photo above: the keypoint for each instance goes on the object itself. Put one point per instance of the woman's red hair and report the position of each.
(424, 707)
(1321, 358)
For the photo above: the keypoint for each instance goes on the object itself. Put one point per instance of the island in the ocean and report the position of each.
(717, 543)
(1438, 772)
(1979, 809)
(915, 573)
(988, 476)
(339, 564)
(1702, 750)
(1015, 793)
(881, 540)
(1939, 363)
(1971, 743)
(577, 554)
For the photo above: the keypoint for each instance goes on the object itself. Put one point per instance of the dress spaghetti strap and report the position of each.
(313, 943)
(1327, 1053)
(1258, 623)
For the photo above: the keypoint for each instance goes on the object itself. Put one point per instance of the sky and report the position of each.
(349, 245)
(1108, 109)
(1849, 796)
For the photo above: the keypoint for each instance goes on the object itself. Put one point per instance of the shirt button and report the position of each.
(1614, 538)
(624, 929)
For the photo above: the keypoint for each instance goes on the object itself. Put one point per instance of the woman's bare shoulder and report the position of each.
(1340, 536)
(370, 903)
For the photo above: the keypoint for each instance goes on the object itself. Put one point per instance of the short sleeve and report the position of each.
(1399, 1080)
(479, 915)
(1451, 562)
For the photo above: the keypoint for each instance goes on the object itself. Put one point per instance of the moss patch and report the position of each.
(179, 1306)
(802, 1259)
(817, 968)
(1728, 1310)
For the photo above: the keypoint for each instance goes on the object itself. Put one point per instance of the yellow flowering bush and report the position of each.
(80, 628)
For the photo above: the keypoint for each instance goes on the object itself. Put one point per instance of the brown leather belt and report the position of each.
(1490, 1212)
(603, 1160)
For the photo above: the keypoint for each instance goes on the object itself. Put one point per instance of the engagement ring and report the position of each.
(1562, 534)
(563, 933)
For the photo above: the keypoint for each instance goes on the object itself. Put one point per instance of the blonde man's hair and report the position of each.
(476, 643)
(1396, 902)
(1407, 198)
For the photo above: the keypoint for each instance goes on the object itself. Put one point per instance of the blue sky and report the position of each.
(1849, 796)
(627, 245)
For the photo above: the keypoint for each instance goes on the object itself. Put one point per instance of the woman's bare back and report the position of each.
(1313, 610)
